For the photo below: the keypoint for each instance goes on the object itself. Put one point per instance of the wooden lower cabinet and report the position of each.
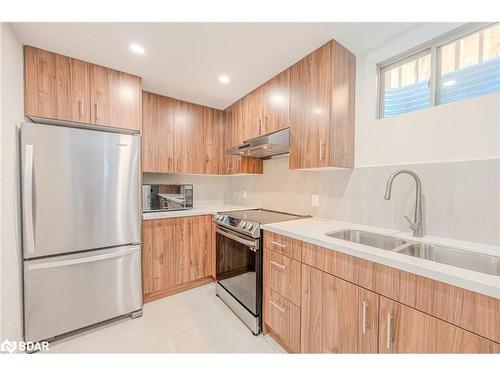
(406, 330)
(351, 305)
(336, 316)
(282, 320)
(176, 253)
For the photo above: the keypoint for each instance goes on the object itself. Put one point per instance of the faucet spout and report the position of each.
(416, 225)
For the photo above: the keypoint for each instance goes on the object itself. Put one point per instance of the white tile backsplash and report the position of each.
(461, 200)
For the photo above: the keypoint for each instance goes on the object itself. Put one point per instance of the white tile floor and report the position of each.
(195, 321)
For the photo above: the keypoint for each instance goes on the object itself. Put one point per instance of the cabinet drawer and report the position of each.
(283, 245)
(283, 318)
(282, 274)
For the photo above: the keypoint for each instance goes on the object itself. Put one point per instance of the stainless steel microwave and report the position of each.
(167, 197)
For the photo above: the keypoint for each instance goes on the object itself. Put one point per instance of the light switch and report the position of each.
(315, 200)
(245, 194)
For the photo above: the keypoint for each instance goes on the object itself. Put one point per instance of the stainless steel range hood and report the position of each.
(265, 146)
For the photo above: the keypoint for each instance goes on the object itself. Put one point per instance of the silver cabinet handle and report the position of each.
(388, 342)
(28, 199)
(321, 149)
(97, 112)
(364, 322)
(277, 306)
(81, 109)
(278, 265)
(278, 244)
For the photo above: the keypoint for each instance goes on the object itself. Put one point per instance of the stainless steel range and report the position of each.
(239, 245)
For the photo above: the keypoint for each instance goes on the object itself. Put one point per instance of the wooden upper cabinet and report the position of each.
(322, 98)
(55, 86)
(276, 103)
(157, 133)
(115, 98)
(252, 116)
(406, 330)
(213, 137)
(336, 316)
(61, 88)
(234, 135)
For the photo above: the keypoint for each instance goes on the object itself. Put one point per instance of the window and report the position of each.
(458, 67)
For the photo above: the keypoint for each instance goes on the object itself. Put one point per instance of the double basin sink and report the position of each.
(441, 254)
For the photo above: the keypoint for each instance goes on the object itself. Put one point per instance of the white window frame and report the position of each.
(433, 47)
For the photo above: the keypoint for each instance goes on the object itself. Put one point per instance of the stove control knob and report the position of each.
(242, 224)
(249, 226)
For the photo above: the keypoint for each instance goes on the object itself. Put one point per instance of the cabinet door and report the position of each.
(115, 98)
(276, 101)
(192, 258)
(252, 114)
(406, 330)
(332, 315)
(56, 86)
(213, 133)
(157, 133)
(158, 250)
(185, 142)
(310, 101)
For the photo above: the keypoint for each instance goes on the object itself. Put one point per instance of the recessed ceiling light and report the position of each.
(224, 79)
(136, 48)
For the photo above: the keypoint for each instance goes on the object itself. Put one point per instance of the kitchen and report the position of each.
(340, 196)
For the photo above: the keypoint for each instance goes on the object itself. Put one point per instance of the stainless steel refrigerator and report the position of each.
(81, 228)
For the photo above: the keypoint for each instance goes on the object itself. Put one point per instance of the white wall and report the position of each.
(461, 200)
(465, 130)
(12, 114)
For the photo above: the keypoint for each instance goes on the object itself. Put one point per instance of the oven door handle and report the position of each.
(253, 245)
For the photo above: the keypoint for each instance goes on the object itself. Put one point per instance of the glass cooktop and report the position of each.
(262, 216)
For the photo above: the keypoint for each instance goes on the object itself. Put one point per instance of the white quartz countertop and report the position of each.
(313, 230)
(199, 208)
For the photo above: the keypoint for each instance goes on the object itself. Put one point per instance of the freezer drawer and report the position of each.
(65, 293)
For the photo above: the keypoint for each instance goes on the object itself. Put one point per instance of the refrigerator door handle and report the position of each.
(84, 259)
(28, 199)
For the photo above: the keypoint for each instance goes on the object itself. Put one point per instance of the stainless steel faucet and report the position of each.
(416, 224)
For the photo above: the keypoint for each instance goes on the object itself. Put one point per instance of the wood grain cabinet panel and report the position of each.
(193, 255)
(336, 316)
(176, 252)
(234, 136)
(252, 115)
(342, 265)
(158, 254)
(407, 330)
(55, 86)
(322, 87)
(157, 133)
(472, 311)
(115, 98)
(282, 274)
(276, 103)
(282, 317)
(282, 244)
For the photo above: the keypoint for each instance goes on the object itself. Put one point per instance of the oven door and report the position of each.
(239, 268)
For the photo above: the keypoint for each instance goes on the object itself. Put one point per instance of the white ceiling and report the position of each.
(184, 60)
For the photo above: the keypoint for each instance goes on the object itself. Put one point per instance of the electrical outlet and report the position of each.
(245, 194)
(315, 200)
